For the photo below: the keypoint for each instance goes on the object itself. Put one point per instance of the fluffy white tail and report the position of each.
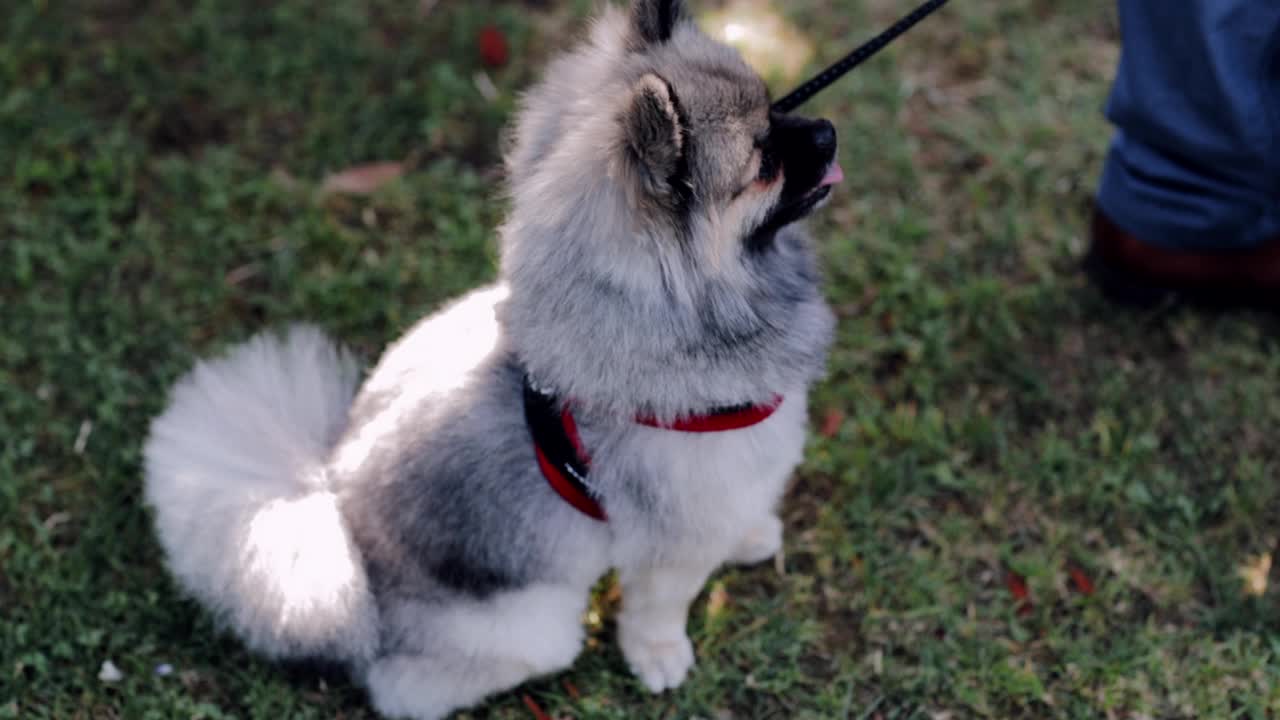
(235, 475)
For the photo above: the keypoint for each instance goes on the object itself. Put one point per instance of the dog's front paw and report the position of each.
(760, 543)
(659, 663)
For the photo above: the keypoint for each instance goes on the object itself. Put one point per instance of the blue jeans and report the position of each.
(1195, 162)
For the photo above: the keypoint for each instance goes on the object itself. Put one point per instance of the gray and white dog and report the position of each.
(631, 394)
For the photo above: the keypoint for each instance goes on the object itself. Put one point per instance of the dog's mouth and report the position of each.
(833, 176)
(799, 206)
(810, 171)
(795, 207)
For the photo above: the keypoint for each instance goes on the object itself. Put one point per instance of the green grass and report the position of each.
(159, 201)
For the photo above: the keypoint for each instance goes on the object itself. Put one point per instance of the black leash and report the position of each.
(802, 94)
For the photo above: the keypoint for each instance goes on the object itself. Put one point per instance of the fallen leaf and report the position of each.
(831, 423)
(538, 712)
(717, 600)
(1254, 571)
(242, 273)
(1082, 582)
(362, 179)
(1018, 588)
(493, 46)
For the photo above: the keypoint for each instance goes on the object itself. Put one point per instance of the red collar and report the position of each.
(565, 463)
(719, 420)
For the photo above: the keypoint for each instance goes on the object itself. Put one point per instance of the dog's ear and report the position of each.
(654, 140)
(653, 21)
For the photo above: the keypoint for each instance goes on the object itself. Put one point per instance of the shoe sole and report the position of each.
(1121, 288)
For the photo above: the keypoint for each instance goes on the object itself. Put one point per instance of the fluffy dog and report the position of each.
(630, 394)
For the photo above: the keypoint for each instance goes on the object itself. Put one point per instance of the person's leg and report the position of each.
(1195, 162)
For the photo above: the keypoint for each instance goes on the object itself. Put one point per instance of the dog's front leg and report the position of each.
(651, 626)
(761, 542)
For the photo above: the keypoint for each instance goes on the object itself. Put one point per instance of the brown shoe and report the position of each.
(1129, 270)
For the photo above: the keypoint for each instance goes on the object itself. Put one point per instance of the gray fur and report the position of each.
(633, 287)
(654, 136)
(627, 286)
(654, 21)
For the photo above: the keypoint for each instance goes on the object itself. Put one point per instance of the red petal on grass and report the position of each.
(831, 423)
(1080, 579)
(572, 689)
(362, 179)
(1018, 588)
(537, 711)
(1017, 585)
(493, 46)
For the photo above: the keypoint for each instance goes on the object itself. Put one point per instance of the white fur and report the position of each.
(651, 629)
(720, 486)
(490, 646)
(413, 368)
(723, 489)
(234, 473)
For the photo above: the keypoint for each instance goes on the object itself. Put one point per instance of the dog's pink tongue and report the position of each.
(834, 176)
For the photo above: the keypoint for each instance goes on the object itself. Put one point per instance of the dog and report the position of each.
(629, 394)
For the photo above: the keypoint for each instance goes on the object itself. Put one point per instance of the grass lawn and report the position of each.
(989, 423)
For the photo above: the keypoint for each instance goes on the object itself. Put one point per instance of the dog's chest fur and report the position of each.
(674, 493)
(442, 489)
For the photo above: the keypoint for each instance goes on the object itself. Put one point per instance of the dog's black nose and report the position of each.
(824, 136)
